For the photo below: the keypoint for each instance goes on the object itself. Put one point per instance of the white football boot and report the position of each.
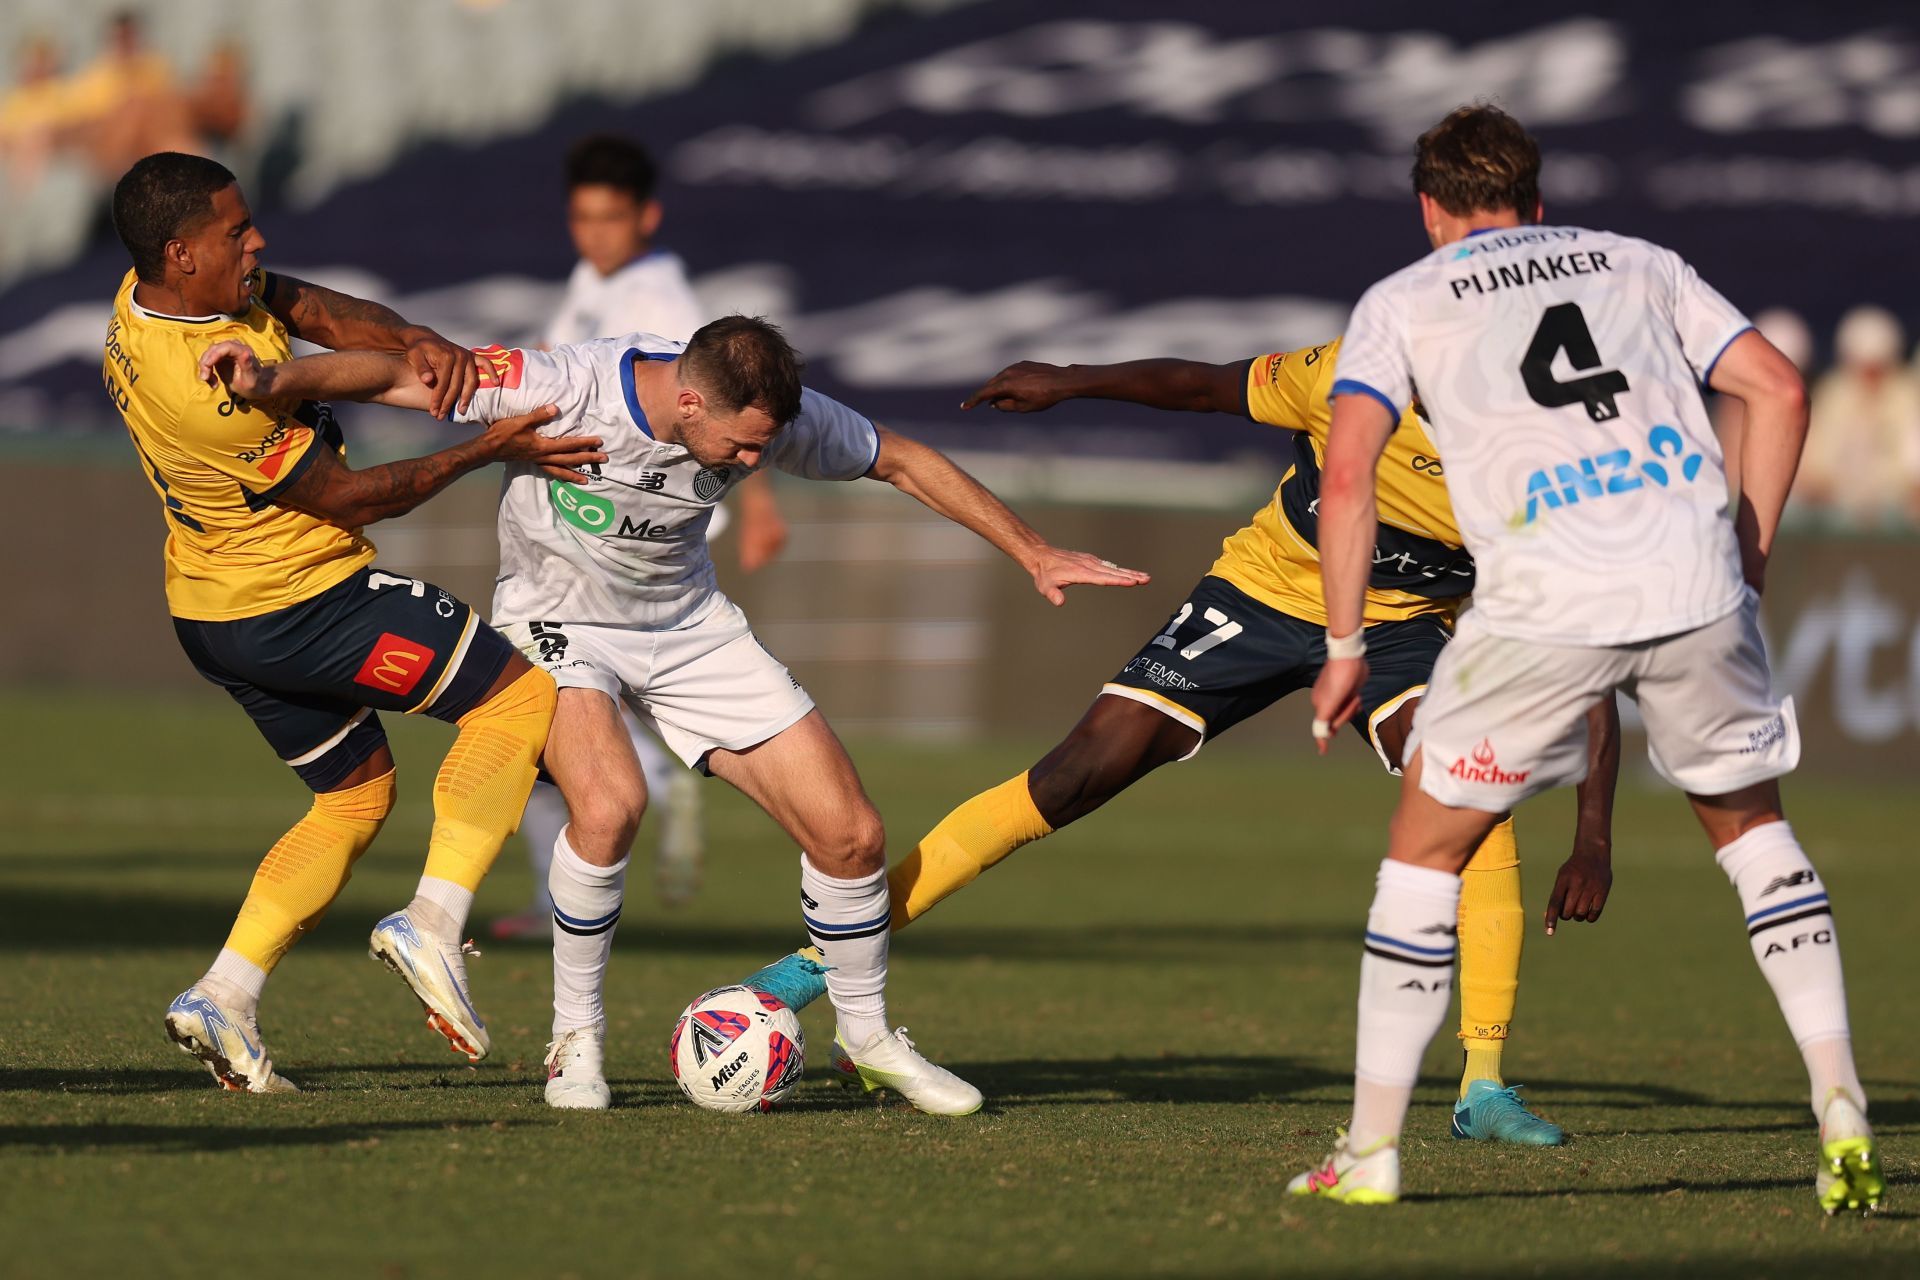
(678, 856)
(576, 1080)
(1354, 1177)
(435, 969)
(889, 1061)
(227, 1040)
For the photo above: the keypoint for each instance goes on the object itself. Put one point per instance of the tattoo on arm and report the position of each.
(335, 492)
(333, 319)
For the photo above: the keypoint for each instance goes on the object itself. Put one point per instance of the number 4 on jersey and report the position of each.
(1564, 328)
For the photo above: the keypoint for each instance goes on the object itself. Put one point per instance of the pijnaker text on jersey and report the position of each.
(1517, 275)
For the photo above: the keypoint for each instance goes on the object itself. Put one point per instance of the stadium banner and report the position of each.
(1090, 180)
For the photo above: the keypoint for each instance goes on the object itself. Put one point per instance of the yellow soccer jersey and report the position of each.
(218, 461)
(1419, 565)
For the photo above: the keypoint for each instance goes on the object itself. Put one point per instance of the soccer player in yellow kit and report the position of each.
(274, 598)
(1250, 633)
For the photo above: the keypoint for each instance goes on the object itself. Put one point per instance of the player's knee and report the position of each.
(365, 803)
(605, 820)
(1116, 743)
(856, 847)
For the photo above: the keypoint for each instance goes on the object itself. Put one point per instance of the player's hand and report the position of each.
(449, 371)
(518, 439)
(1056, 570)
(238, 365)
(1336, 697)
(1580, 890)
(1027, 387)
(763, 534)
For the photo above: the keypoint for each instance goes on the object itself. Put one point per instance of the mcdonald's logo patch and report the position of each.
(499, 367)
(394, 665)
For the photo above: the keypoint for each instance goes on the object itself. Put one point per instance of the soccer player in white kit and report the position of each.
(625, 283)
(1561, 369)
(608, 585)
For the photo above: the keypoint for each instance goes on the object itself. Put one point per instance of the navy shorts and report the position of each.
(313, 674)
(1225, 656)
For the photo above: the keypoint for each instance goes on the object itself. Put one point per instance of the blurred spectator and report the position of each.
(34, 114)
(125, 104)
(1783, 327)
(217, 104)
(1862, 465)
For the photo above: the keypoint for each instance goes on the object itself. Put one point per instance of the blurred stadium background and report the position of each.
(923, 191)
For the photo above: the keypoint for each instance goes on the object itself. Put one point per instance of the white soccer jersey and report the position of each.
(1561, 369)
(628, 548)
(648, 295)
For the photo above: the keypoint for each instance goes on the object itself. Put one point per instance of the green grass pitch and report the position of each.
(1158, 1004)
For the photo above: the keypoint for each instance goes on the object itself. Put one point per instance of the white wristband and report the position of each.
(1353, 646)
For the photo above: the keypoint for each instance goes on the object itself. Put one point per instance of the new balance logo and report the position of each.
(1446, 930)
(1787, 882)
(1438, 984)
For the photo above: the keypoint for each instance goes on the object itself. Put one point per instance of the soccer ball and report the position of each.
(737, 1049)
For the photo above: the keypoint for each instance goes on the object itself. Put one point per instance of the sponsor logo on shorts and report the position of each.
(1159, 673)
(500, 367)
(394, 664)
(1767, 736)
(1484, 768)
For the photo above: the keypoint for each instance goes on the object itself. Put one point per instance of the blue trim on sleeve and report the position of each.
(1706, 379)
(1355, 387)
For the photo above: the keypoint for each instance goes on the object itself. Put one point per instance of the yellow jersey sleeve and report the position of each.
(263, 447)
(1283, 387)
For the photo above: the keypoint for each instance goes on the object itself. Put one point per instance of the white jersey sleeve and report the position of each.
(516, 380)
(1374, 354)
(1706, 322)
(827, 441)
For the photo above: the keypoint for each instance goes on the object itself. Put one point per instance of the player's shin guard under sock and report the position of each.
(1791, 928)
(305, 870)
(969, 840)
(483, 784)
(847, 920)
(1406, 984)
(1492, 928)
(546, 814)
(586, 907)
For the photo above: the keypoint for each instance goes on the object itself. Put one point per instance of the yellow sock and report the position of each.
(1492, 929)
(969, 840)
(306, 868)
(483, 783)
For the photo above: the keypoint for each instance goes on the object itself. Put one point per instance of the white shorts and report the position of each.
(699, 687)
(1505, 719)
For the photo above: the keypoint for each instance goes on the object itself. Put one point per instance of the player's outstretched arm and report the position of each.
(1586, 878)
(1753, 371)
(1356, 438)
(330, 489)
(334, 375)
(929, 476)
(1030, 386)
(343, 322)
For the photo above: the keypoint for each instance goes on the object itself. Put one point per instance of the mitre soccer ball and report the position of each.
(737, 1049)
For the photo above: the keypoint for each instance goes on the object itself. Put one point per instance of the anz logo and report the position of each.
(1595, 478)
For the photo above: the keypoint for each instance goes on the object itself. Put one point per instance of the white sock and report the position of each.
(1790, 926)
(442, 906)
(236, 980)
(848, 921)
(1406, 988)
(546, 814)
(586, 907)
